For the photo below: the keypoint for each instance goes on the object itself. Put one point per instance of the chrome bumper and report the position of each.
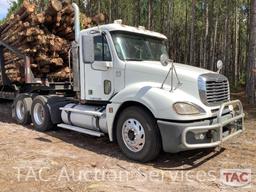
(218, 127)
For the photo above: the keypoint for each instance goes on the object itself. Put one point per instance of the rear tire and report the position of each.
(40, 114)
(138, 135)
(22, 109)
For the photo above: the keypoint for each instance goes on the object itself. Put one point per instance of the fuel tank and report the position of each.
(83, 116)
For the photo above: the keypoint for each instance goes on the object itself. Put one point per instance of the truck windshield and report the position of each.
(136, 47)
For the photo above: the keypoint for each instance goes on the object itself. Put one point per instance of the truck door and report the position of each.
(99, 74)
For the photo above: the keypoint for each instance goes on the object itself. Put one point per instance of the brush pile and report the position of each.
(45, 36)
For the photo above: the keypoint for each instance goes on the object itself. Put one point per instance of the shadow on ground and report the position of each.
(180, 161)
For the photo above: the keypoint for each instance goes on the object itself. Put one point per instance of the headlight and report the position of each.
(183, 108)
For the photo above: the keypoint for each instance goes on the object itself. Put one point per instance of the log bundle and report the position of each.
(45, 36)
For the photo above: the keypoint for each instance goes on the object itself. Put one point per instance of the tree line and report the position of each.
(200, 32)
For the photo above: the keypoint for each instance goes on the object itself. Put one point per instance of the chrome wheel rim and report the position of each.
(133, 135)
(20, 110)
(39, 114)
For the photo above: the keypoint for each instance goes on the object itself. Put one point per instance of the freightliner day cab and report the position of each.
(128, 89)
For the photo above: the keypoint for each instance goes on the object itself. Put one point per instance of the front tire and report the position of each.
(40, 114)
(22, 108)
(138, 135)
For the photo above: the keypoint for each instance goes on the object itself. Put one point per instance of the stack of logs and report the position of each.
(45, 36)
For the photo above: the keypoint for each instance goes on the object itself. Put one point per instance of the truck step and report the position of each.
(90, 113)
(7, 95)
(81, 130)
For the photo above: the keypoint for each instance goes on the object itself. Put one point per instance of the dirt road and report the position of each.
(62, 160)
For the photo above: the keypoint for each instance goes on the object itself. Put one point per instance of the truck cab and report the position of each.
(128, 88)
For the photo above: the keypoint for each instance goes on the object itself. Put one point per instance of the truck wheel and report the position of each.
(138, 135)
(22, 107)
(41, 117)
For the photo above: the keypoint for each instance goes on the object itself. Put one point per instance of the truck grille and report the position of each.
(213, 89)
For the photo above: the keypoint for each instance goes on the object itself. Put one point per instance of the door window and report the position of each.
(101, 49)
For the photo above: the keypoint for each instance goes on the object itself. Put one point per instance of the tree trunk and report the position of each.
(237, 26)
(206, 34)
(214, 43)
(226, 37)
(170, 32)
(110, 11)
(186, 47)
(192, 35)
(201, 55)
(150, 14)
(162, 16)
(136, 13)
(99, 6)
(251, 70)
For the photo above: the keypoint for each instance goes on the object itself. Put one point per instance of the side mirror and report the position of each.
(88, 48)
(219, 66)
(164, 59)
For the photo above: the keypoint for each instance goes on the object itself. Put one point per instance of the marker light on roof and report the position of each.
(141, 27)
(119, 21)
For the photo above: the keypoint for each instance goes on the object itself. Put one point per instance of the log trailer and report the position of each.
(125, 86)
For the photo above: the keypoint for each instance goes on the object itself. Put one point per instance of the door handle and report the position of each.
(109, 64)
(102, 65)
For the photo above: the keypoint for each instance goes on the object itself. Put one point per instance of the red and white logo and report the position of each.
(236, 177)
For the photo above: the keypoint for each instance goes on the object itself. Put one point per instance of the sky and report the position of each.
(4, 5)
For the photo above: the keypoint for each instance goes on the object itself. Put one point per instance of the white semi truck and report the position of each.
(126, 87)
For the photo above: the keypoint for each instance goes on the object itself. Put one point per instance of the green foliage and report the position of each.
(174, 19)
(13, 7)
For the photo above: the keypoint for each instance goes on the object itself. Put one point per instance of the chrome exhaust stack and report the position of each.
(77, 22)
(75, 50)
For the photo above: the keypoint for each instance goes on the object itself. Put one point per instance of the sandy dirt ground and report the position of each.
(61, 160)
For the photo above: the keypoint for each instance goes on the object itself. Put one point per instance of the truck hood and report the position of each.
(153, 71)
(143, 81)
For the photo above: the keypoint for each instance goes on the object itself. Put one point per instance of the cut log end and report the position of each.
(45, 36)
